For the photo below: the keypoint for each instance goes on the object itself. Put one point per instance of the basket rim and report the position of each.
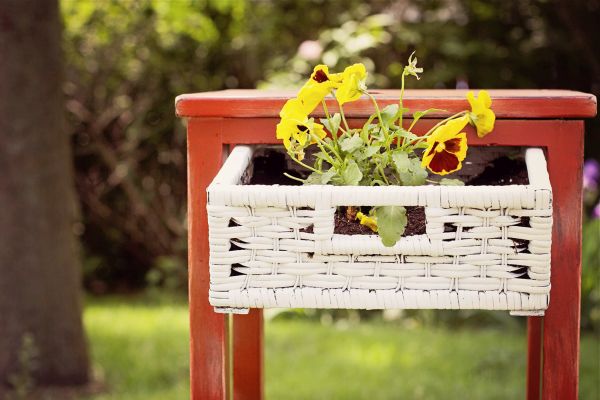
(227, 183)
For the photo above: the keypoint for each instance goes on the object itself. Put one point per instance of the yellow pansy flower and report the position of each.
(481, 115)
(353, 82)
(319, 85)
(300, 130)
(447, 147)
(293, 109)
(370, 222)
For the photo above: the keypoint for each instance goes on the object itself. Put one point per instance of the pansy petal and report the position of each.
(444, 163)
(485, 98)
(485, 122)
(350, 88)
(471, 99)
(448, 130)
(318, 86)
(293, 109)
(319, 130)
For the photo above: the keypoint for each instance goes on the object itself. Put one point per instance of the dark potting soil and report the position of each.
(268, 170)
(344, 226)
(502, 171)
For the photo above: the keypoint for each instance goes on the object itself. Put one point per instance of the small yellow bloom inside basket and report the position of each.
(369, 222)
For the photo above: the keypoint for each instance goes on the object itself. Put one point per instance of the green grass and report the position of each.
(382, 361)
(140, 349)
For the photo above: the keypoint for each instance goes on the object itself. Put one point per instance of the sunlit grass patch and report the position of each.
(140, 350)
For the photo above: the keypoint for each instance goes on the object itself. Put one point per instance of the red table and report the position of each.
(545, 118)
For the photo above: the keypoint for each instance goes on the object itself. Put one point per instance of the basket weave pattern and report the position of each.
(484, 247)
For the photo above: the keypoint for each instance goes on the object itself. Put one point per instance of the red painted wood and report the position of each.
(534, 357)
(561, 322)
(248, 356)
(522, 104)
(506, 132)
(208, 330)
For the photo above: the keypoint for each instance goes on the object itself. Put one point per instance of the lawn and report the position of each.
(139, 347)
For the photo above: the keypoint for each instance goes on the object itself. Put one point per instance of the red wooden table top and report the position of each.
(523, 104)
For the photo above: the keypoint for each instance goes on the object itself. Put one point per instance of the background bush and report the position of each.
(127, 60)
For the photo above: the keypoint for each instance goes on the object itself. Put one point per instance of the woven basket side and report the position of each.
(484, 247)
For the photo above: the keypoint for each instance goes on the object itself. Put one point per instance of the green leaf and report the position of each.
(320, 156)
(413, 178)
(351, 174)
(402, 111)
(388, 114)
(367, 152)
(334, 126)
(364, 132)
(351, 144)
(416, 175)
(418, 114)
(408, 136)
(451, 182)
(313, 179)
(391, 222)
(326, 177)
(401, 161)
(320, 179)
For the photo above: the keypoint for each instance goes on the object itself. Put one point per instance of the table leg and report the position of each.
(534, 357)
(248, 356)
(561, 323)
(208, 330)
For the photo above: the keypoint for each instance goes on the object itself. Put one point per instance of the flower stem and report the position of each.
(344, 117)
(401, 102)
(386, 133)
(378, 113)
(293, 177)
(333, 134)
(320, 143)
(382, 172)
(304, 165)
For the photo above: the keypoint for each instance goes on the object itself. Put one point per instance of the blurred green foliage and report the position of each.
(125, 63)
(127, 60)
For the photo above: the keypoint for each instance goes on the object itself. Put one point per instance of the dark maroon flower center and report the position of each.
(432, 150)
(320, 76)
(302, 128)
(453, 145)
(444, 161)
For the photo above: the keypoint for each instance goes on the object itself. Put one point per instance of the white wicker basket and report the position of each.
(261, 256)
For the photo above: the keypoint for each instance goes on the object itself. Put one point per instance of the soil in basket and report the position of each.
(502, 171)
(268, 170)
(415, 226)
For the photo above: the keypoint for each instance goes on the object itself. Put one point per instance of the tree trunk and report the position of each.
(40, 283)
